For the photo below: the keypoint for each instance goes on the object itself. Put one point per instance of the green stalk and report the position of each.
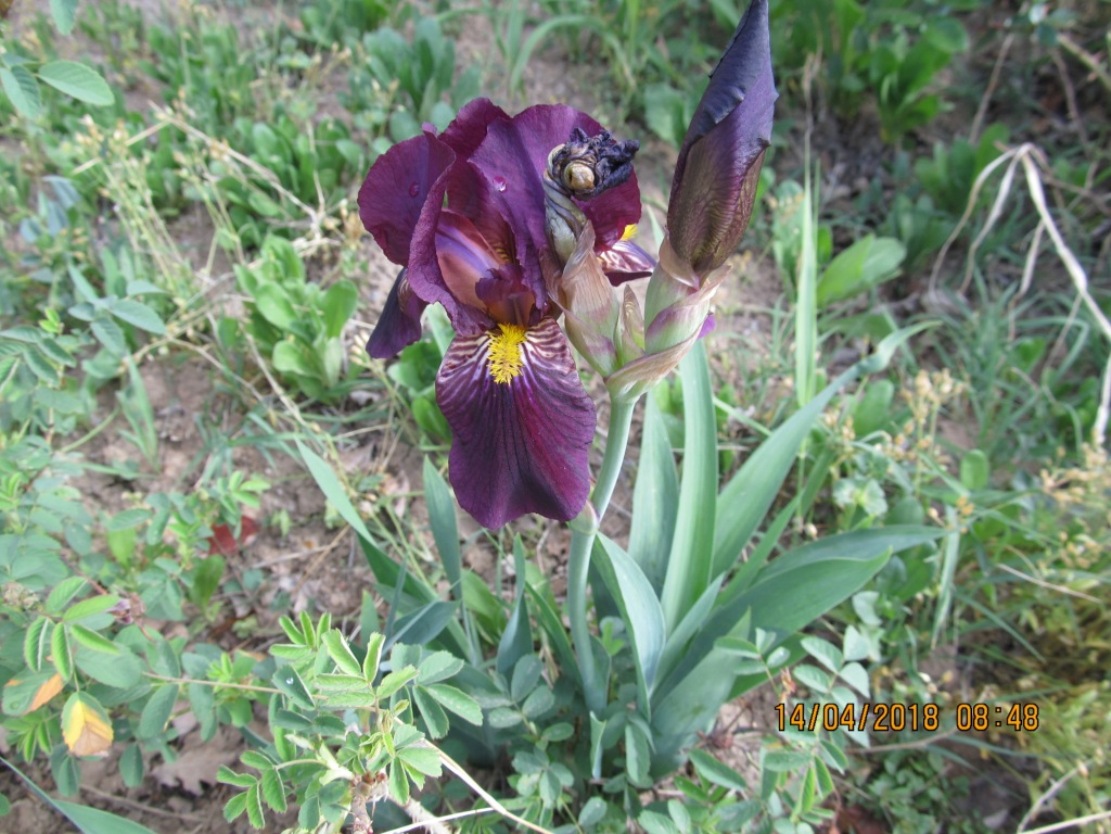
(582, 543)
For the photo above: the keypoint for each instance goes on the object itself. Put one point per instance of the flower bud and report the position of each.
(715, 180)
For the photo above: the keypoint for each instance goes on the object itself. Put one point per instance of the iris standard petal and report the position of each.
(468, 128)
(464, 259)
(521, 422)
(399, 324)
(514, 156)
(396, 189)
(626, 261)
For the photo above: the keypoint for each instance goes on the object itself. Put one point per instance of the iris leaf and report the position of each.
(691, 559)
(655, 497)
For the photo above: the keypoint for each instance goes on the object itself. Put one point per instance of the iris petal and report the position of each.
(626, 261)
(395, 191)
(520, 445)
(399, 324)
(514, 156)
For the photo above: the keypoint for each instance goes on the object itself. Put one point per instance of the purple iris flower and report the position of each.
(463, 214)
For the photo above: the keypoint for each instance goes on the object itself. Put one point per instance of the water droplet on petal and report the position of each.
(500, 183)
(414, 189)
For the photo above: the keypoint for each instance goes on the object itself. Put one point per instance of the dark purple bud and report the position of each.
(719, 163)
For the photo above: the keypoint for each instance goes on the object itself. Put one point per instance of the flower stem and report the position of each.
(582, 543)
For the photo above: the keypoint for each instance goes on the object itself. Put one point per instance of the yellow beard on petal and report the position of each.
(504, 359)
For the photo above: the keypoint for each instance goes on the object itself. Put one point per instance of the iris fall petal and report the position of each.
(520, 445)
(399, 324)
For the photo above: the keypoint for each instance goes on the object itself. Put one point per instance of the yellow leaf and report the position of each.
(51, 687)
(85, 727)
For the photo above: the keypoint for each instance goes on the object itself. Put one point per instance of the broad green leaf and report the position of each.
(291, 685)
(156, 712)
(975, 470)
(255, 812)
(90, 607)
(516, 639)
(816, 680)
(30, 690)
(869, 261)
(690, 563)
(396, 679)
(373, 656)
(526, 675)
(790, 593)
(637, 755)
(422, 759)
(77, 80)
(263, 204)
(744, 501)
(138, 314)
(109, 334)
(438, 666)
(94, 641)
(441, 517)
(36, 642)
(293, 358)
(592, 812)
(423, 625)
(88, 820)
(63, 593)
(712, 770)
(538, 702)
(64, 13)
(805, 583)
(655, 497)
(433, 714)
(640, 609)
(824, 652)
(121, 671)
(22, 89)
(691, 624)
(340, 652)
(333, 490)
(273, 790)
(338, 306)
(274, 305)
(131, 766)
(60, 652)
(126, 520)
(457, 701)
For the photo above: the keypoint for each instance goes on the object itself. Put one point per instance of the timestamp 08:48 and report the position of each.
(897, 717)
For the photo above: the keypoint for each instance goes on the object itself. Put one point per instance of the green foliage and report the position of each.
(20, 74)
(398, 84)
(891, 53)
(333, 22)
(415, 373)
(297, 325)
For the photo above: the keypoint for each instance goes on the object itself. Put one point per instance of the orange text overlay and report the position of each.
(897, 717)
